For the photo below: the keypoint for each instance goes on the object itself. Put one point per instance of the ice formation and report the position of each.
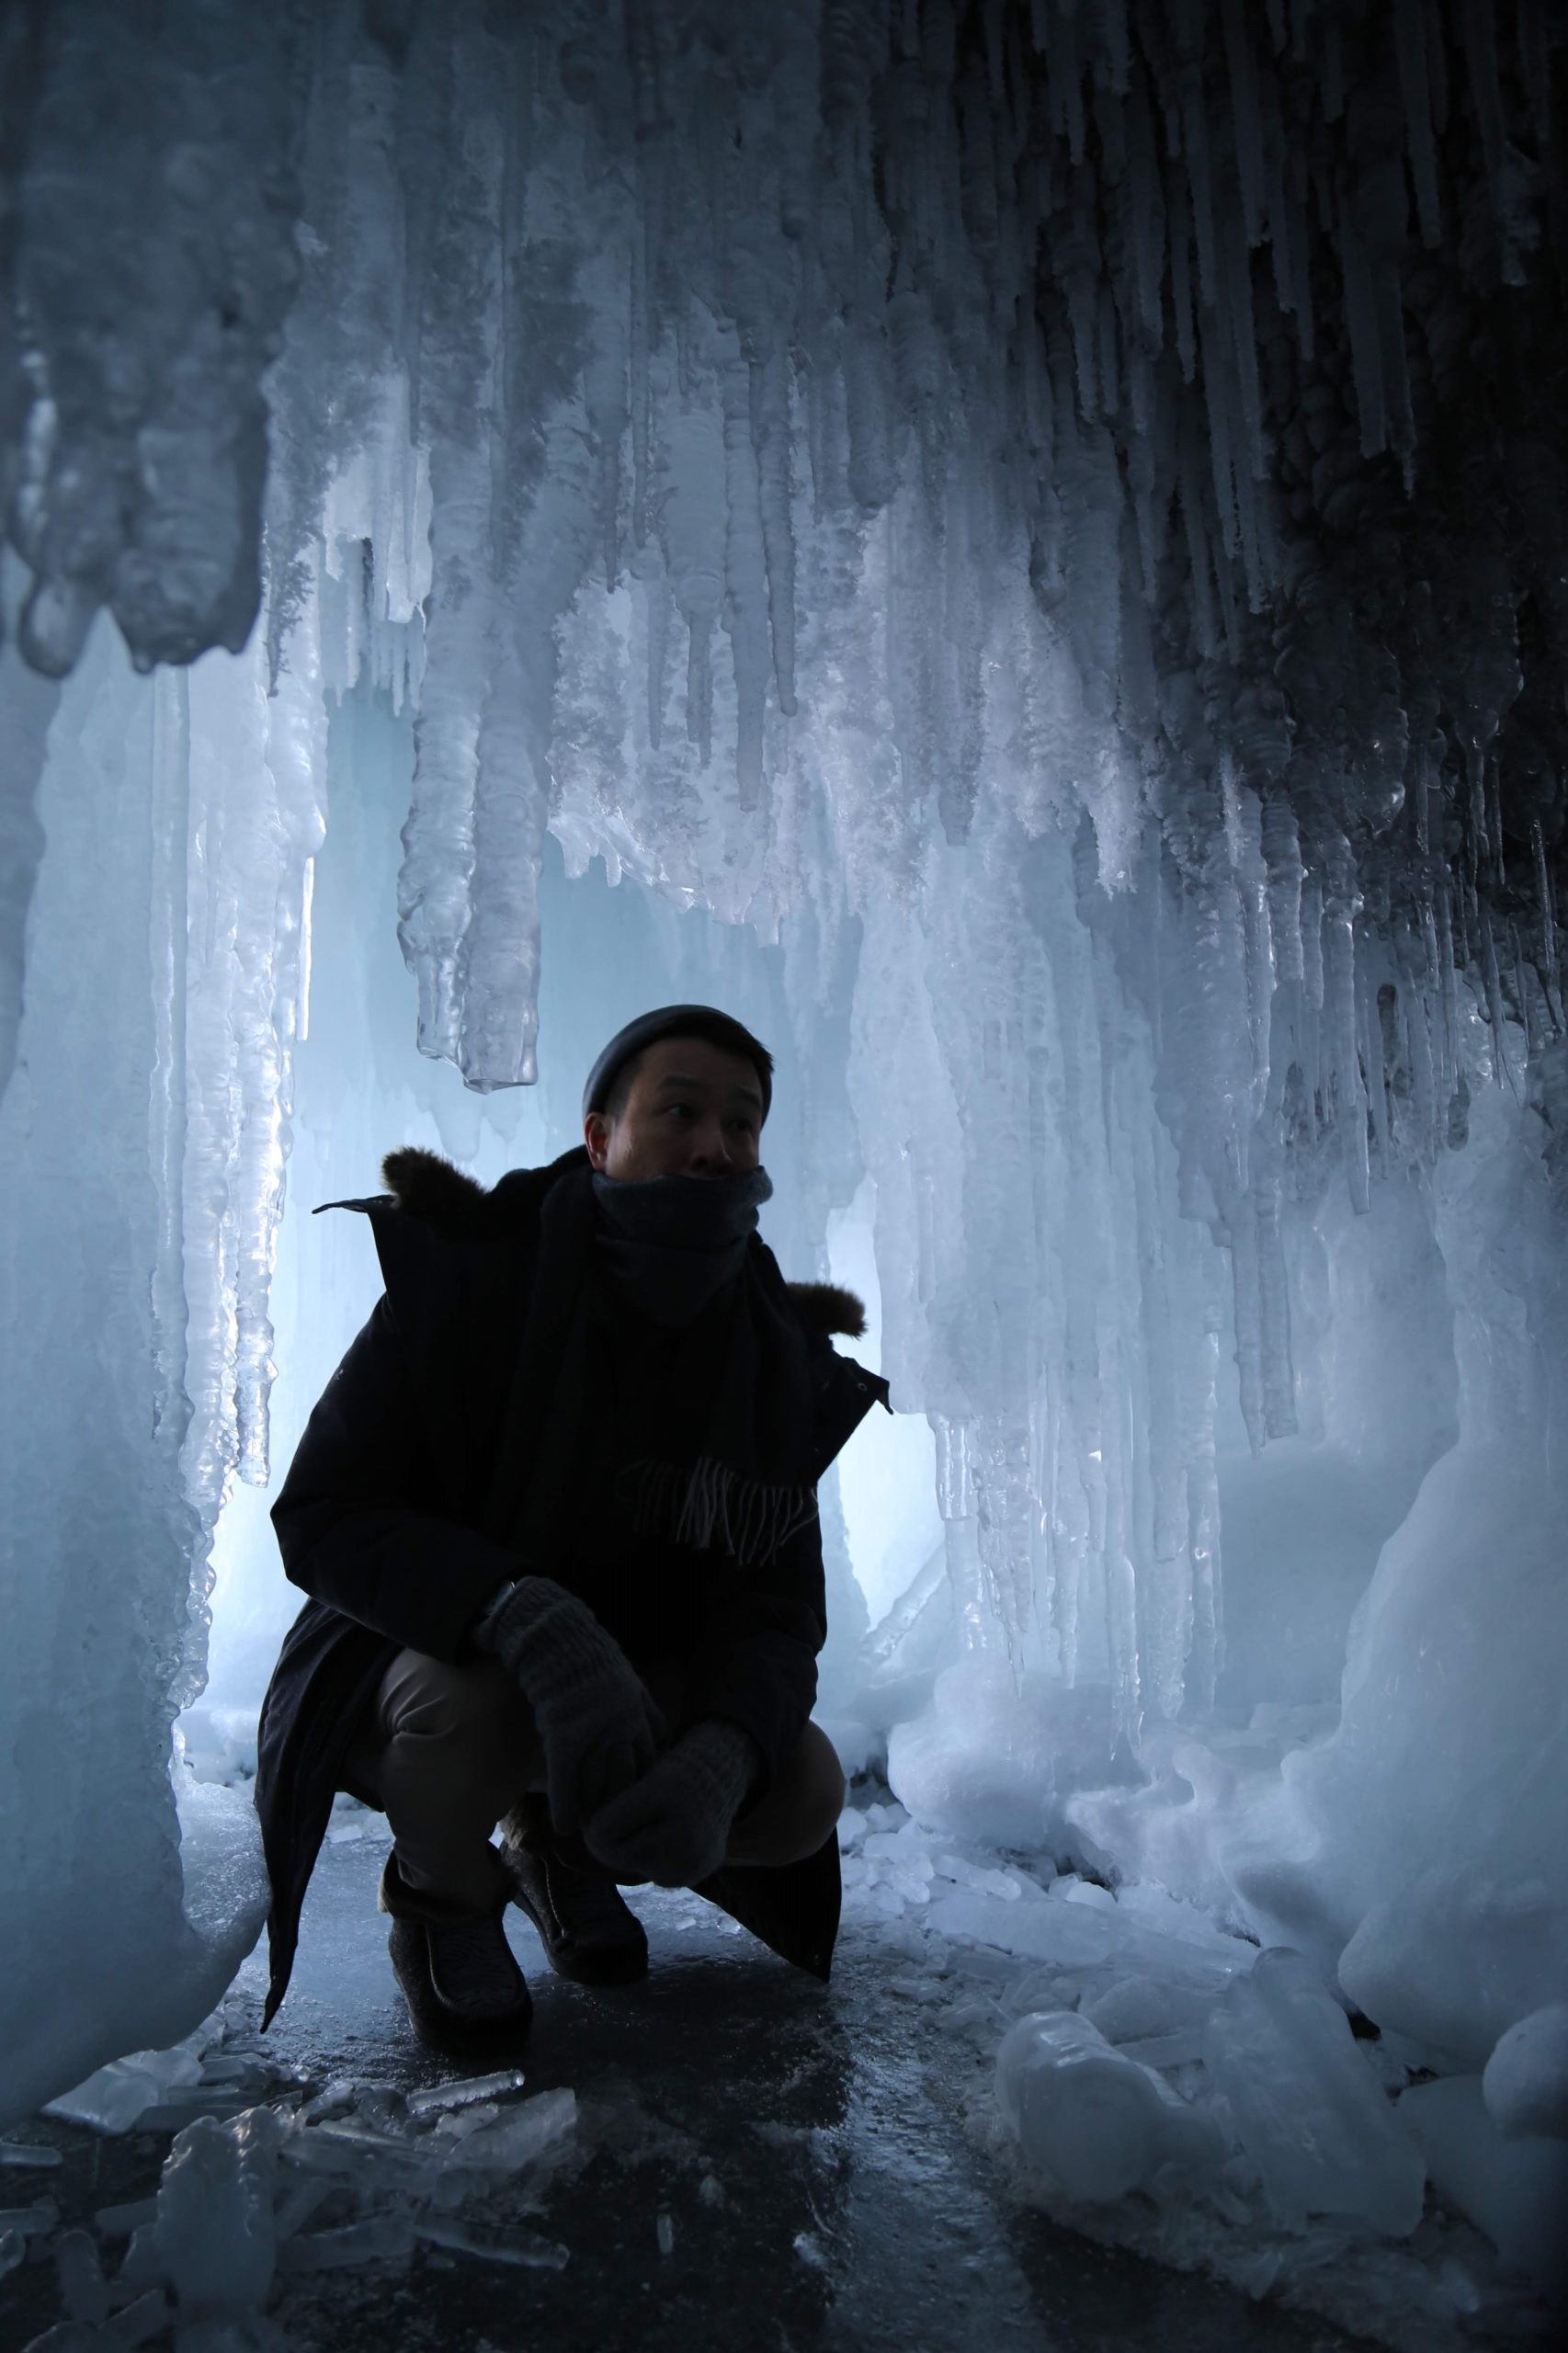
(1045, 522)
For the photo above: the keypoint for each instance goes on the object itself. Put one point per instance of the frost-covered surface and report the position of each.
(1050, 517)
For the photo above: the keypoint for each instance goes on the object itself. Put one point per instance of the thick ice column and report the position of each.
(96, 1956)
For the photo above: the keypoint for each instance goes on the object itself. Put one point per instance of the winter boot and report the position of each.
(588, 1932)
(465, 1993)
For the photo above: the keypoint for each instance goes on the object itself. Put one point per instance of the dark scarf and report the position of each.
(668, 1245)
(695, 1372)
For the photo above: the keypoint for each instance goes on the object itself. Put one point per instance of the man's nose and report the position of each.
(710, 1149)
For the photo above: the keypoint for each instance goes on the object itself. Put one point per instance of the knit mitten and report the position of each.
(672, 1826)
(599, 1729)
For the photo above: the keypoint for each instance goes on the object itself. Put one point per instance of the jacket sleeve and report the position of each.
(359, 1520)
(757, 1665)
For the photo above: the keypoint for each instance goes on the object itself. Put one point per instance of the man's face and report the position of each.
(694, 1110)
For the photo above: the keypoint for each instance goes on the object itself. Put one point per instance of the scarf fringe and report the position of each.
(713, 1509)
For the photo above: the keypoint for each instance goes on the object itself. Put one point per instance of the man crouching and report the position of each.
(556, 1513)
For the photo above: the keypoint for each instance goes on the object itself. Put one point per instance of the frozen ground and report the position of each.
(726, 2148)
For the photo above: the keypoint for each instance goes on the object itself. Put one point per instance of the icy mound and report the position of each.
(1163, 2085)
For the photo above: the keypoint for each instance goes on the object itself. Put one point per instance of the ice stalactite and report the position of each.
(151, 259)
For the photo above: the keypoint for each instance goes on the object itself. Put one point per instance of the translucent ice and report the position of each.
(1310, 2114)
(990, 1759)
(433, 2099)
(1514, 2190)
(519, 2136)
(523, 2250)
(1096, 2124)
(214, 2233)
(383, 2238)
(112, 2099)
(1526, 2080)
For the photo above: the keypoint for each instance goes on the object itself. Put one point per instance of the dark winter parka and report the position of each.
(399, 1507)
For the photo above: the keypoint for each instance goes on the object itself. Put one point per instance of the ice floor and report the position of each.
(757, 2161)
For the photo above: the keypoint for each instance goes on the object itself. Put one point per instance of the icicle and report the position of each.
(1195, 148)
(1366, 341)
(1117, 45)
(1551, 974)
(1218, 378)
(1495, 1013)
(1246, 117)
(1146, 206)
(1449, 985)
(1244, 334)
(1282, 854)
(1242, 1237)
(1342, 904)
(1067, 80)
(770, 436)
(1478, 32)
(1410, 39)
(1535, 65)
(1277, 1371)
(501, 958)
(1181, 284)
(1372, 1064)
(692, 527)
(746, 600)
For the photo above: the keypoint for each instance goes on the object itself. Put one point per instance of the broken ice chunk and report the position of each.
(1094, 2121)
(520, 2135)
(665, 2231)
(1073, 1890)
(22, 2154)
(1136, 2008)
(148, 2317)
(466, 2091)
(80, 2274)
(216, 2241)
(1526, 2081)
(383, 2238)
(30, 2221)
(1310, 2112)
(118, 2221)
(520, 2248)
(115, 2098)
(13, 2251)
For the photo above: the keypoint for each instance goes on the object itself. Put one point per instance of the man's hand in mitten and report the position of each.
(672, 1826)
(599, 1729)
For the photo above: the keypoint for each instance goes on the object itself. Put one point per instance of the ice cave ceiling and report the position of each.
(1181, 383)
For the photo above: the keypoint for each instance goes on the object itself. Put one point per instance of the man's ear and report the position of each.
(596, 1135)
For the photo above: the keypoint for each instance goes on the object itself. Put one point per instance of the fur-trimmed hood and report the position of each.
(457, 1205)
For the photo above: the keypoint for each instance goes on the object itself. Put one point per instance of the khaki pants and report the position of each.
(446, 1751)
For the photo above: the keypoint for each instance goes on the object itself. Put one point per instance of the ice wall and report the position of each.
(1052, 516)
